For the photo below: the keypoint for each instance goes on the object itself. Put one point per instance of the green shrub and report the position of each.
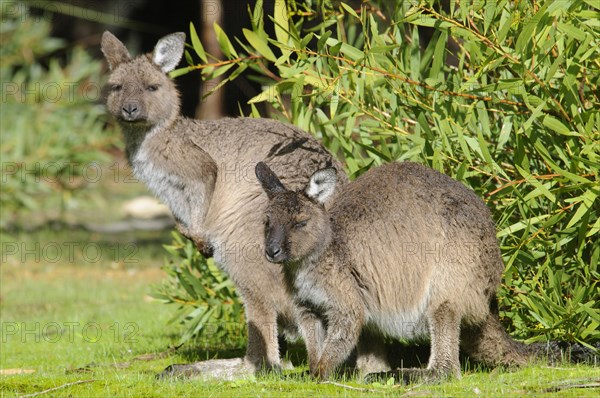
(208, 304)
(516, 120)
(52, 126)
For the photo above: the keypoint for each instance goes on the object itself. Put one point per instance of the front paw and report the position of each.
(204, 248)
(201, 245)
(179, 370)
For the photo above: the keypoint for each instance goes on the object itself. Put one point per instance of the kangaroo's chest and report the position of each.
(167, 186)
(309, 289)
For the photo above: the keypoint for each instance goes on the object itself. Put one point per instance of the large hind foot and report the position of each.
(410, 376)
(221, 369)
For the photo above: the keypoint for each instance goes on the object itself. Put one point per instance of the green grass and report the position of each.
(116, 339)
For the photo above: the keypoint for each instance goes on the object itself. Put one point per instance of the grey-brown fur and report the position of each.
(204, 172)
(403, 251)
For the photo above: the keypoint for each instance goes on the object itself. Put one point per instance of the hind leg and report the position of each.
(371, 354)
(444, 327)
(261, 286)
(262, 352)
(313, 333)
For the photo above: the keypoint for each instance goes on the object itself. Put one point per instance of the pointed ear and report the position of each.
(322, 185)
(114, 50)
(168, 51)
(268, 180)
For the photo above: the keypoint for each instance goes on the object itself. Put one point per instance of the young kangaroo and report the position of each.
(403, 251)
(203, 171)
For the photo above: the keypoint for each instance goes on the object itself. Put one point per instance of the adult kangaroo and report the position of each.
(402, 251)
(204, 172)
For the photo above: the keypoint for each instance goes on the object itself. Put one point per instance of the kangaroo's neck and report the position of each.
(136, 135)
(180, 173)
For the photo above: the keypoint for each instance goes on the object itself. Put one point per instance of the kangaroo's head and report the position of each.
(140, 93)
(297, 225)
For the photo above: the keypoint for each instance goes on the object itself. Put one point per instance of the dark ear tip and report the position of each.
(260, 169)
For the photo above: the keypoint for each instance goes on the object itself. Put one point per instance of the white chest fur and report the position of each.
(406, 325)
(308, 289)
(404, 321)
(168, 187)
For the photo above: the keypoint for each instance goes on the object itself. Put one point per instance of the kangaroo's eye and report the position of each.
(116, 87)
(300, 224)
(152, 87)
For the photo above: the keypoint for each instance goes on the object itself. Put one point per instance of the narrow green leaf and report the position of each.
(219, 71)
(186, 284)
(259, 45)
(215, 88)
(518, 226)
(374, 151)
(281, 19)
(489, 14)
(181, 71)
(267, 95)
(550, 161)
(188, 57)
(197, 44)
(323, 40)
(224, 42)
(538, 186)
(571, 31)
(353, 53)
(439, 56)
(333, 103)
(193, 280)
(594, 229)
(257, 17)
(556, 125)
(529, 26)
(431, 22)
(505, 24)
(593, 3)
(349, 10)
(587, 201)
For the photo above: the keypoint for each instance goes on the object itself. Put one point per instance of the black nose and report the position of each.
(273, 251)
(130, 110)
